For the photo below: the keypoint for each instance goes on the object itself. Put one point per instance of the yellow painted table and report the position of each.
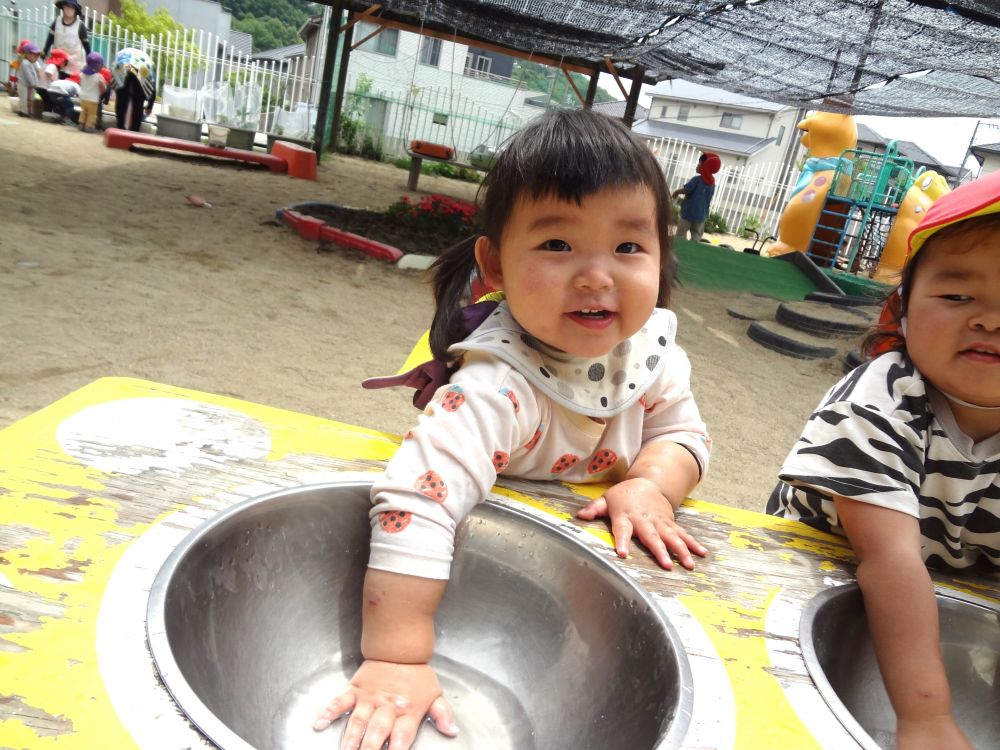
(96, 490)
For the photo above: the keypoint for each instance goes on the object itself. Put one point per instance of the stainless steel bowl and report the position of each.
(838, 652)
(254, 624)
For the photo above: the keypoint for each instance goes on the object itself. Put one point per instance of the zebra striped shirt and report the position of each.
(882, 436)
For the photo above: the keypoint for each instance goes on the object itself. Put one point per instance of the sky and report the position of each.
(945, 138)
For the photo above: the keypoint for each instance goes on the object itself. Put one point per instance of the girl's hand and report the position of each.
(387, 702)
(930, 733)
(637, 507)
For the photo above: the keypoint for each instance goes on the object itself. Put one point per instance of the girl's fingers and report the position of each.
(676, 541)
(593, 509)
(404, 733)
(356, 727)
(443, 717)
(692, 544)
(334, 710)
(621, 529)
(650, 536)
(378, 728)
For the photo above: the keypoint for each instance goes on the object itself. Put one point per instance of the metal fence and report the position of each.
(394, 117)
(188, 59)
(745, 195)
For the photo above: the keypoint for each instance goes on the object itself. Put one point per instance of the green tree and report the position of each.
(273, 23)
(268, 32)
(538, 77)
(136, 19)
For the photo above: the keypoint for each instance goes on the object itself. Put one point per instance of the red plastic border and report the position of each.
(311, 228)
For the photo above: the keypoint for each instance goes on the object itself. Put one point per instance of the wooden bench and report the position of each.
(417, 161)
(127, 139)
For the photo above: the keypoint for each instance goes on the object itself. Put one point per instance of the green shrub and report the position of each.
(716, 223)
(751, 226)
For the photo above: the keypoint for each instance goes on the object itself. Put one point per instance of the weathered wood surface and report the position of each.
(97, 489)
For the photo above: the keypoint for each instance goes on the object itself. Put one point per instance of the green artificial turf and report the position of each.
(703, 266)
(859, 286)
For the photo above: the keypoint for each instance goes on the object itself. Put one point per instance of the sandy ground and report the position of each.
(106, 270)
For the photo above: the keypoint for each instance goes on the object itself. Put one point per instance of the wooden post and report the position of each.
(338, 101)
(633, 96)
(333, 31)
(592, 88)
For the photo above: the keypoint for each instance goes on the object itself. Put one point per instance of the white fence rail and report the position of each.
(742, 192)
(394, 117)
(190, 58)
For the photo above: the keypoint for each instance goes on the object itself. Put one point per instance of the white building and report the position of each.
(742, 130)
(988, 156)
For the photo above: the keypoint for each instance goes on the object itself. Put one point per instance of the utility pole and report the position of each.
(968, 149)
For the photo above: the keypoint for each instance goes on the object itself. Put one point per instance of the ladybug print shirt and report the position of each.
(491, 421)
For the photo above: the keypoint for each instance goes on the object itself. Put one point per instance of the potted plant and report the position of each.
(179, 115)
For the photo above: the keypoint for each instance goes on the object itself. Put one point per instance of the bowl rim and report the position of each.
(812, 610)
(215, 730)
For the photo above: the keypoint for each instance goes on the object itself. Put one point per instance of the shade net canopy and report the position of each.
(877, 57)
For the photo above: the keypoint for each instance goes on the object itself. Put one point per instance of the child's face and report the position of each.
(69, 13)
(953, 316)
(580, 278)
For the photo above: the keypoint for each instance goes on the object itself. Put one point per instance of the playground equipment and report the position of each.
(826, 135)
(926, 188)
(853, 209)
(859, 211)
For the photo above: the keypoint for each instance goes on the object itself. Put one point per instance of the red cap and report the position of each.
(977, 198)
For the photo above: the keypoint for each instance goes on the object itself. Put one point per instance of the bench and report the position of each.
(417, 161)
(126, 139)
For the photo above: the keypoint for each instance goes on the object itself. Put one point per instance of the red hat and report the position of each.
(977, 198)
(23, 45)
(58, 56)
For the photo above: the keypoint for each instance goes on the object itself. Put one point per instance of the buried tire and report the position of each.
(823, 319)
(843, 300)
(789, 341)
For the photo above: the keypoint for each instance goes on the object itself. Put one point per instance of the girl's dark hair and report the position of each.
(887, 336)
(566, 154)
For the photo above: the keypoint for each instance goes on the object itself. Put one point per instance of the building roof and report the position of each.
(616, 109)
(695, 92)
(279, 54)
(909, 149)
(982, 149)
(716, 140)
(241, 41)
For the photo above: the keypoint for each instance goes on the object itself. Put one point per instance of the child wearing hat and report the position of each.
(27, 76)
(68, 32)
(92, 88)
(902, 456)
(697, 192)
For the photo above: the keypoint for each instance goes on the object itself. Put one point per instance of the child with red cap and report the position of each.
(903, 454)
(698, 192)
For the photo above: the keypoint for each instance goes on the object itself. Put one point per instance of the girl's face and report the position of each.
(580, 278)
(953, 317)
(69, 13)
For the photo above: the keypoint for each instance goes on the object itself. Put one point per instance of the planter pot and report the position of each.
(271, 138)
(241, 138)
(174, 127)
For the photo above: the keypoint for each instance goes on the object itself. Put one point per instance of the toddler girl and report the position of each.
(92, 88)
(903, 454)
(573, 376)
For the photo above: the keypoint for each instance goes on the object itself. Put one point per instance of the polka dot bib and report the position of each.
(592, 386)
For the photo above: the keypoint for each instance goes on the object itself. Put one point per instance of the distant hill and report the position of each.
(273, 23)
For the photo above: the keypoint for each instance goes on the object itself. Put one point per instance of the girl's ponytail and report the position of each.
(453, 272)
